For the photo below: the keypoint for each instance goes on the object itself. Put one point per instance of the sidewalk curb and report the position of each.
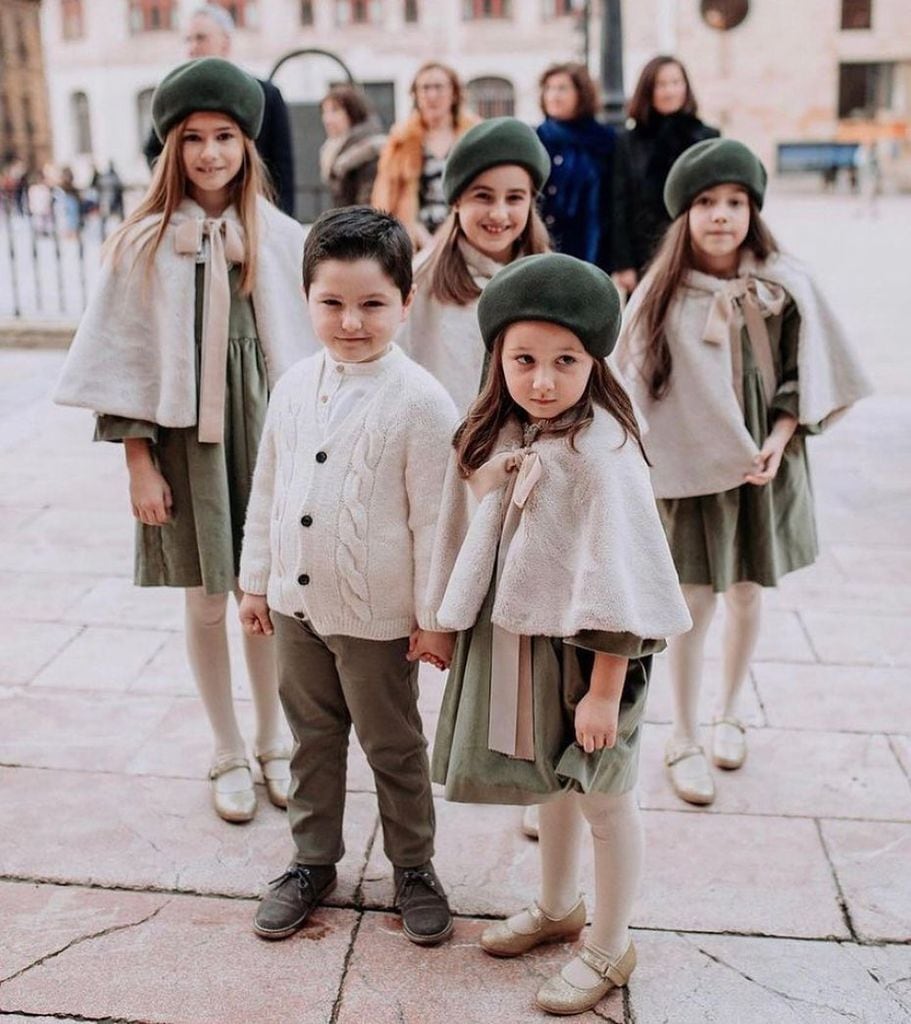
(36, 334)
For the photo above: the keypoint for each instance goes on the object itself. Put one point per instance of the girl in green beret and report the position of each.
(734, 357)
(197, 312)
(492, 177)
(561, 587)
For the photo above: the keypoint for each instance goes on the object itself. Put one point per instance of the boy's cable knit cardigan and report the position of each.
(340, 528)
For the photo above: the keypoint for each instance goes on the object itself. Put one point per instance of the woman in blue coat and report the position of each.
(576, 196)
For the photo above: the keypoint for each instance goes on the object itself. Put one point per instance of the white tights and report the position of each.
(743, 604)
(207, 652)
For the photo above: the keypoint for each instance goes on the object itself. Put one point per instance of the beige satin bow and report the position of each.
(226, 243)
(745, 300)
(511, 727)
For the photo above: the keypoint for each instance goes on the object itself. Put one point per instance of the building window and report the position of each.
(243, 12)
(307, 13)
(561, 8)
(358, 12)
(856, 14)
(144, 115)
(71, 13)
(412, 14)
(864, 89)
(473, 10)
(153, 15)
(79, 108)
(492, 97)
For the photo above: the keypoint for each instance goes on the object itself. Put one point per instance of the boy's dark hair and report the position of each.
(360, 233)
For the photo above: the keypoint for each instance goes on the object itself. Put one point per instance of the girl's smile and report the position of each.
(493, 211)
(212, 149)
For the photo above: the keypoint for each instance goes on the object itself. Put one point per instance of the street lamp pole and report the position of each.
(612, 60)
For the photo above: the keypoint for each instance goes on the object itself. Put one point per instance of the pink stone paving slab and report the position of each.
(140, 832)
(40, 597)
(90, 732)
(734, 873)
(188, 960)
(698, 979)
(781, 637)
(116, 600)
(859, 639)
(901, 747)
(101, 658)
(391, 981)
(30, 549)
(888, 966)
(882, 598)
(874, 564)
(826, 697)
(660, 703)
(871, 862)
(27, 647)
(853, 776)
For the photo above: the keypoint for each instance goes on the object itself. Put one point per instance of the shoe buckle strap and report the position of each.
(601, 965)
(227, 765)
(673, 757)
(536, 914)
(727, 720)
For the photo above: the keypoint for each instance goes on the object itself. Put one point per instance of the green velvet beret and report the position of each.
(708, 163)
(208, 84)
(559, 289)
(501, 140)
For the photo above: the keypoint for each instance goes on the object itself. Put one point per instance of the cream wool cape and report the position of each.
(697, 440)
(589, 551)
(445, 338)
(134, 353)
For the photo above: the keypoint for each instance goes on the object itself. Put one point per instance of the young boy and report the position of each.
(336, 554)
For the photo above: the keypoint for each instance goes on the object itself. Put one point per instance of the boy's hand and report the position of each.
(769, 458)
(433, 647)
(596, 722)
(254, 615)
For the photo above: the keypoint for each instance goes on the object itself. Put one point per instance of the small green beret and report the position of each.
(208, 84)
(559, 289)
(708, 163)
(501, 140)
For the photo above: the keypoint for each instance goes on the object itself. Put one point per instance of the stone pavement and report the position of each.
(123, 898)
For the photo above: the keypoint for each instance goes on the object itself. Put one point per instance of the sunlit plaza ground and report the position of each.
(124, 898)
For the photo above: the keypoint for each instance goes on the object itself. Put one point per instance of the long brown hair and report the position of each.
(641, 107)
(167, 190)
(477, 435)
(674, 258)
(450, 280)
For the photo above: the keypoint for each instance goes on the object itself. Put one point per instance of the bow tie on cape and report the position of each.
(225, 244)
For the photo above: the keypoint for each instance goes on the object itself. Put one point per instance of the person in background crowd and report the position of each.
(409, 182)
(664, 124)
(109, 187)
(576, 198)
(70, 203)
(209, 32)
(354, 140)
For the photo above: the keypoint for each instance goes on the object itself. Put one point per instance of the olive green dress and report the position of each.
(750, 533)
(210, 483)
(561, 673)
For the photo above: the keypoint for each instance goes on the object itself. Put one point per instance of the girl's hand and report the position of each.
(769, 458)
(433, 647)
(254, 615)
(596, 722)
(150, 495)
(626, 279)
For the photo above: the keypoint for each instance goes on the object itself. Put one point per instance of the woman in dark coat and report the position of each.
(354, 139)
(662, 124)
(576, 197)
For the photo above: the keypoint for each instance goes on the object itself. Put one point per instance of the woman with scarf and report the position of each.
(354, 140)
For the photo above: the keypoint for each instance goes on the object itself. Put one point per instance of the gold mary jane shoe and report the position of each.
(529, 824)
(500, 940)
(729, 743)
(276, 768)
(232, 789)
(688, 771)
(558, 996)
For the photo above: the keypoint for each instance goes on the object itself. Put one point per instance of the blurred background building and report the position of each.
(24, 123)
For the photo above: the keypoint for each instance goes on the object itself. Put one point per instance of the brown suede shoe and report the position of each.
(292, 898)
(419, 897)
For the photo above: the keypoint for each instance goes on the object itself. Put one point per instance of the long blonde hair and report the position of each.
(168, 189)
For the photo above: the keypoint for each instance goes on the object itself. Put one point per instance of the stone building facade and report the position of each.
(24, 123)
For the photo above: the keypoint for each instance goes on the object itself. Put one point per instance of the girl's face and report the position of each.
(212, 148)
(546, 368)
(494, 209)
(335, 119)
(434, 95)
(719, 219)
(560, 97)
(669, 93)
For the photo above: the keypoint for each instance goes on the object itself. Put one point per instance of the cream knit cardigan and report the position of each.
(370, 490)
(445, 338)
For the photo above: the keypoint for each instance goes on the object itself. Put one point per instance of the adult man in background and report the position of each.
(208, 34)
